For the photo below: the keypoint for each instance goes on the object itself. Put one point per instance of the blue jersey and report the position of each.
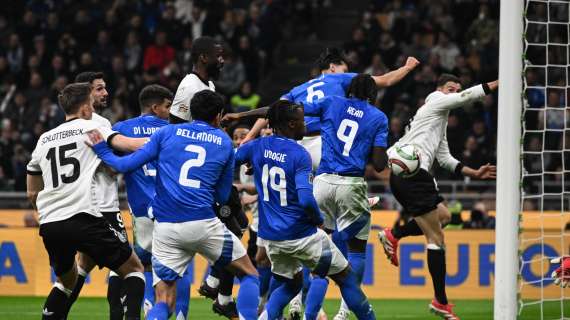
(350, 128)
(195, 164)
(140, 182)
(280, 166)
(326, 85)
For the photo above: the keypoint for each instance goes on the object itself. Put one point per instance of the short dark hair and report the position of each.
(330, 55)
(447, 77)
(153, 94)
(202, 45)
(88, 76)
(73, 96)
(362, 87)
(280, 112)
(206, 105)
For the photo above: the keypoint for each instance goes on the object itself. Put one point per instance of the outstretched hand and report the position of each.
(486, 172)
(94, 137)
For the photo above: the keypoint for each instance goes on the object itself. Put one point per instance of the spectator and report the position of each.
(36, 91)
(480, 218)
(359, 45)
(245, 99)
(15, 54)
(133, 52)
(233, 74)
(103, 50)
(447, 51)
(160, 54)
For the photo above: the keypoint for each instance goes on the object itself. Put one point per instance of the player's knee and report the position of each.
(444, 215)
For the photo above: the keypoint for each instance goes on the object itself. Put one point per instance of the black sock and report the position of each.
(114, 294)
(436, 266)
(74, 295)
(410, 228)
(226, 283)
(56, 305)
(134, 284)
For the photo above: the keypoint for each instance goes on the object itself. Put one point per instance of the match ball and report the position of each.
(404, 161)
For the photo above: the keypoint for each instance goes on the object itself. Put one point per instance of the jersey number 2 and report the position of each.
(347, 138)
(63, 161)
(198, 162)
(268, 178)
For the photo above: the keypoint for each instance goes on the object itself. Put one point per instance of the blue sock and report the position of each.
(306, 283)
(315, 297)
(158, 312)
(357, 262)
(273, 285)
(148, 288)
(248, 297)
(285, 291)
(355, 298)
(183, 295)
(340, 243)
(264, 280)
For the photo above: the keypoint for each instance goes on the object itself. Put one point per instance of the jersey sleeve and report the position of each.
(224, 185)
(303, 172)
(33, 167)
(315, 109)
(381, 136)
(288, 96)
(118, 127)
(443, 102)
(346, 79)
(244, 152)
(444, 157)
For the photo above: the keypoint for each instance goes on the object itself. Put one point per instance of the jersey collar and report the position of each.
(203, 81)
(71, 119)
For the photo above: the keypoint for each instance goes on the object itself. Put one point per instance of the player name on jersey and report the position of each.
(355, 112)
(202, 136)
(276, 156)
(145, 130)
(62, 135)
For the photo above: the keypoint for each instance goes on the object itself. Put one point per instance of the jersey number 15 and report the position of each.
(63, 161)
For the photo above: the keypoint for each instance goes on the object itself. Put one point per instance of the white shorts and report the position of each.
(317, 252)
(143, 228)
(344, 203)
(260, 242)
(313, 146)
(175, 244)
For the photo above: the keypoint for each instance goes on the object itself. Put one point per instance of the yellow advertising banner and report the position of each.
(24, 266)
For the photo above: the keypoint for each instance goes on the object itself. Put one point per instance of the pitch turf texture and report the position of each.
(24, 308)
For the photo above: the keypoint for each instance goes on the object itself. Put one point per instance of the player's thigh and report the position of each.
(102, 243)
(219, 245)
(313, 145)
(320, 255)
(324, 193)
(170, 251)
(418, 194)
(282, 258)
(354, 210)
(431, 225)
(143, 229)
(59, 242)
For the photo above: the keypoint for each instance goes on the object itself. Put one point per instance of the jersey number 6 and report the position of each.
(198, 162)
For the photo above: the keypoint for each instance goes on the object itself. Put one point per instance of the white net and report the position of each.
(545, 158)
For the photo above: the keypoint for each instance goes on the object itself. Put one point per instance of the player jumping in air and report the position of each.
(419, 194)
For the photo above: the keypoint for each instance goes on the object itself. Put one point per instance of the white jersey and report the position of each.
(428, 129)
(248, 179)
(67, 166)
(108, 186)
(188, 87)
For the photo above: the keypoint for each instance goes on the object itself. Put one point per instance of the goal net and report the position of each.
(545, 158)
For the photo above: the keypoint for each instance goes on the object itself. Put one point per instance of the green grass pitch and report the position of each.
(24, 308)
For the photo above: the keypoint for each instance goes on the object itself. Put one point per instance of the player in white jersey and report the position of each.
(419, 194)
(61, 185)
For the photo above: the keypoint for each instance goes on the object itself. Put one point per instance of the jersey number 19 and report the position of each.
(268, 178)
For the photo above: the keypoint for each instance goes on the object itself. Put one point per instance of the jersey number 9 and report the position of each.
(347, 138)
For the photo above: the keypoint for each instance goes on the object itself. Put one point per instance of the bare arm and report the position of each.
(485, 172)
(255, 130)
(379, 158)
(34, 185)
(125, 144)
(255, 113)
(393, 77)
(247, 187)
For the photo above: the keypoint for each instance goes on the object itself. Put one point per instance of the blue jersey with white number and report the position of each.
(326, 85)
(140, 182)
(350, 128)
(281, 167)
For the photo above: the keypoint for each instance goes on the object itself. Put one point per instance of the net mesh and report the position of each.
(545, 150)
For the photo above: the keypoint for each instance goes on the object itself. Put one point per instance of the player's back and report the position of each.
(67, 166)
(276, 161)
(191, 161)
(331, 84)
(350, 128)
(140, 183)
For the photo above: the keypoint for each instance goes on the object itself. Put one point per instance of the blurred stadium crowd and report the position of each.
(45, 43)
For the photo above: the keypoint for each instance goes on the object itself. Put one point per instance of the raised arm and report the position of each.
(125, 144)
(448, 162)
(455, 100)
(393, 77)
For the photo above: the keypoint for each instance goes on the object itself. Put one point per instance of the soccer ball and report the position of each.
(404, 161)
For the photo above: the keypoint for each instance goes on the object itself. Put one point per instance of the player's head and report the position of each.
(448, 83)
(239, 133)
(332, 60)
(207, 106)
(155, 99)
(98, 87)
(363, 87)
(76, 100)
(287, 119)
(207, 54)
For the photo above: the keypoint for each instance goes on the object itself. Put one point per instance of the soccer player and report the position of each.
(155, 101)
(419, 194)
(61, 185)
(194, 171)
(289, 215)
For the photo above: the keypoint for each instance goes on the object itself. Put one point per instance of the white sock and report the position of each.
(343, 306)
(82, 272)
(212, 282)
(224, 300)
(298, 298)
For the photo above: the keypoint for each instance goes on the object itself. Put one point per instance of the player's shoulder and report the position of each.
(101, 120)
(338, 77)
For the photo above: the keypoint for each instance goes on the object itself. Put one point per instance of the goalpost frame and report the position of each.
(508, 159)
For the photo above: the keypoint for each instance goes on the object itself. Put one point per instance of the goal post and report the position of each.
(508, 159)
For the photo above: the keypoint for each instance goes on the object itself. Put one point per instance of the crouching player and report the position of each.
(289, 215)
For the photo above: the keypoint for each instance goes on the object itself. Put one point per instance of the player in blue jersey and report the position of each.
(154, 101)
(289, 215)
(195, 163)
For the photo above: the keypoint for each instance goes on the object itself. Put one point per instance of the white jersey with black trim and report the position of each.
(107, 182)
(427, 130)
(188, 87)
(67, 166)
